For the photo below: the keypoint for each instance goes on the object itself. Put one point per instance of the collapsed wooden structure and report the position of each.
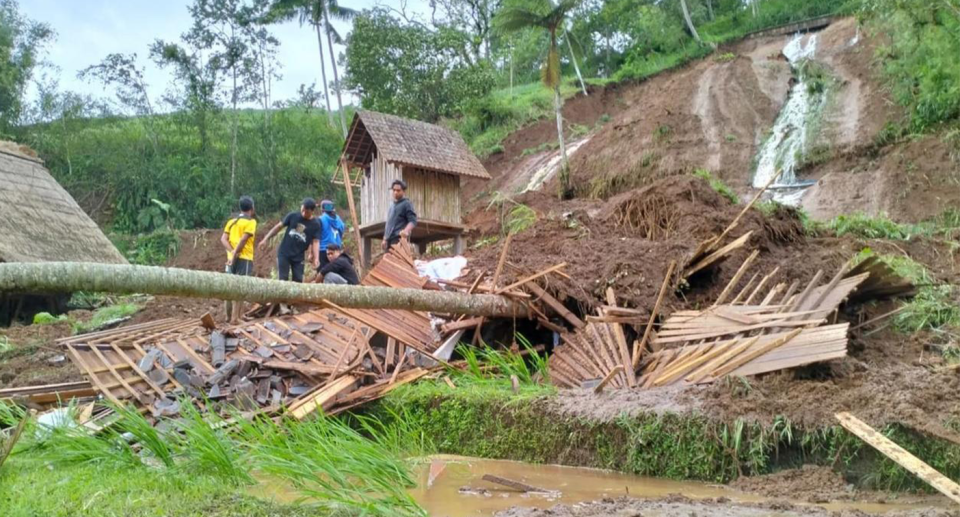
(295, 363)
(762, 329)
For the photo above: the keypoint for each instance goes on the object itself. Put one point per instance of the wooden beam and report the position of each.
(555, 304)
(638, 348)
(532, 277)
(353, 215)
(610, 376)
(622, 342)
(900, 455)
(322, 398)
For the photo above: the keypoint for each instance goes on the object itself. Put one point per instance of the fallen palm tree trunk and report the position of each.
(122, 279)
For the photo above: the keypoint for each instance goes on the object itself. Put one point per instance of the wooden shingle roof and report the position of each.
(40, 221)
(410, 142)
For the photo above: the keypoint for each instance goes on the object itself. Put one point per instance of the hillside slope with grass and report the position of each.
(715, 114)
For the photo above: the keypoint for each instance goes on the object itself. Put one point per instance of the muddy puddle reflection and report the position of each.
(453, 486)
(458, 490)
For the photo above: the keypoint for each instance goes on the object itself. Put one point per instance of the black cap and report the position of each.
(309, 204)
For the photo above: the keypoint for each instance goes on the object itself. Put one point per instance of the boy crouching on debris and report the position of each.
(237, 239)
(339, 268)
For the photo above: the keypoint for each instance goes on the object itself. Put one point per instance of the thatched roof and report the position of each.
(409, 142)
(39, 220)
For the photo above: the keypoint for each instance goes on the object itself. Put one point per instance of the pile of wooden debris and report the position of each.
(762, 329)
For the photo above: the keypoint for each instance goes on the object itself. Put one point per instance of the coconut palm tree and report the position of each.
(306, 11)
(550, 17)
(686, 17)
(332, 10)
(319, 14)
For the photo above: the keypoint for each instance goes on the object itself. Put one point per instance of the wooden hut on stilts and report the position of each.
(431, 159)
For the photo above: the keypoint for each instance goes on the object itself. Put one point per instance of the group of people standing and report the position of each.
(307, 237)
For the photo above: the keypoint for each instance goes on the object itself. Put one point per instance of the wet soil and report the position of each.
(33, 358)
(819, 485)
(714, 114)
(679, 506)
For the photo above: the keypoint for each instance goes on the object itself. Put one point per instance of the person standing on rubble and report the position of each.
(401, 219)
(331, 230)
(339, 268)
(237, 239)
(302, 235)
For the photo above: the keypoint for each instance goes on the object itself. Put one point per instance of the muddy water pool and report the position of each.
(453, 486)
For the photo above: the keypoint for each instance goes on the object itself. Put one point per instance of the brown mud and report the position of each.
(679, 506)
(714, 114)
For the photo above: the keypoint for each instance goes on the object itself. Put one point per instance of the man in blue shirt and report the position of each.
(331, 230)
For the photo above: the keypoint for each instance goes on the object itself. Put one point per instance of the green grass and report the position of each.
(29, 488)
(488, 121)
(325, 460)
(104, 315)
(933, 307)
(718, 185)
(882, 227)
(149, 249)
(45, 318)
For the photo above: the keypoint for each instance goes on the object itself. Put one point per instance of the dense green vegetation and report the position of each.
(920, 57)
(140, 164)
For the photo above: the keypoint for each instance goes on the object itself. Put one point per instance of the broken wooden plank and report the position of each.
(753, 353)
(323, 398)
(736, 277)
(207, 321)
(454, 326)
(555, 304)
(900, 455)
(532, 277)
(717, 255)
(638, 348)
(606, 380)
(621, 340)
(516, 485)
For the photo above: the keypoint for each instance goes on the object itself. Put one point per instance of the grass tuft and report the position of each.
(105, 315)
(718, 185)
(932, 308)
(208, 448)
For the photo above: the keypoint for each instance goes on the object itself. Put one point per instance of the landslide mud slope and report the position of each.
(715, 114)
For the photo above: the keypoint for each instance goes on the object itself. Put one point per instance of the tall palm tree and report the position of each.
(333, 10)
(549, 17)
(686, 17)
(306, 11)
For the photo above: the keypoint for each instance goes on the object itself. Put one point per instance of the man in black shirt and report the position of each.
(303, 234)
(339, 269)
(401, 218)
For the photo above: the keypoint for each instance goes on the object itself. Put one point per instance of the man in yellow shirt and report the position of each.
(237, 239)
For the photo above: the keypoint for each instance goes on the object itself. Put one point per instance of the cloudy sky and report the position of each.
(88, 30)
